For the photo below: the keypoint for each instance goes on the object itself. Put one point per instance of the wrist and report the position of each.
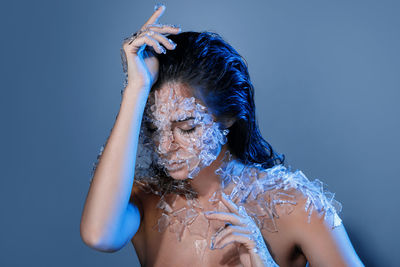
(136, 90)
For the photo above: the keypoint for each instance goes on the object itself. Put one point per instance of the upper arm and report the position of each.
(321, 242)
(129, 225)
(134, 214)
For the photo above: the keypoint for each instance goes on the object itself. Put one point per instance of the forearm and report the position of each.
(111, 186)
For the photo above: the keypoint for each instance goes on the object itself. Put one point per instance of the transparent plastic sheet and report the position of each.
(160, 144)
(201, 146)
(256, 190)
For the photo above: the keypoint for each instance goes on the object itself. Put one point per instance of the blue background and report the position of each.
(326, 75)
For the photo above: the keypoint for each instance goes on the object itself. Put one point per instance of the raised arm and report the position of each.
(109, 220)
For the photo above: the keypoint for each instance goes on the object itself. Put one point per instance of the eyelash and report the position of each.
(187, 131)
(153, 130)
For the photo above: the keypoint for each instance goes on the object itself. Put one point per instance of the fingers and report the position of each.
(151, 33)
(241, 238)
(163, 28)
(225, 216)
(231, 229)
(168, 43)
(155, 16)
(148, 39)
(229, 203)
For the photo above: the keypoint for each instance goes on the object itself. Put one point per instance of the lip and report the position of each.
(175, 165)
(170, 162)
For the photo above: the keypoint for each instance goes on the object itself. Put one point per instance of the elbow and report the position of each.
(95, 241)
(89, 237)
(110, 237)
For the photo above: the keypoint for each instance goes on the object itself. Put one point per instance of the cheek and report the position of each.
(190, 141)
(201, 139)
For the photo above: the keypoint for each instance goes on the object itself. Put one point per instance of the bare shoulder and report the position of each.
(296, 199)
(298, 218)
(296, 212)
(305, 216)
(289, 234)
(319, 233)
(277, 228)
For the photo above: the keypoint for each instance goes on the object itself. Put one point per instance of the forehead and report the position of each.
(174, 102)
(174, 90)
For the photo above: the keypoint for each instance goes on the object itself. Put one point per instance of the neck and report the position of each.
(207, 181)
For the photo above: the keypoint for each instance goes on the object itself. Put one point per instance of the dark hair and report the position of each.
(205, 61)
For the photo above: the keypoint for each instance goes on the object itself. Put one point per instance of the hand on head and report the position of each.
(139, 67)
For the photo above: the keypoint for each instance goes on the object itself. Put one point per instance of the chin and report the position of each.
(180, 174)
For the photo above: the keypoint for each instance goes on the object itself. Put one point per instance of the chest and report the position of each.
(165, 249)
(181, 239)
(186, 240)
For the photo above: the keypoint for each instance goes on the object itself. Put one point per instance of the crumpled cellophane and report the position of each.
(259, 191)
(251, 186)
(202, 148)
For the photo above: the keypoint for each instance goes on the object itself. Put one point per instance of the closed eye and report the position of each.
(188, 131)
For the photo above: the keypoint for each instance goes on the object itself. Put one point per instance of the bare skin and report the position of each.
(295, 242)
(206, 182)
(161, 249)
(115, 211)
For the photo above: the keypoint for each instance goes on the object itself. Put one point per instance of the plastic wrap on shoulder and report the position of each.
(261, 190)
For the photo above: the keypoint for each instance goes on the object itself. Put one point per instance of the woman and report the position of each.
(186, 175)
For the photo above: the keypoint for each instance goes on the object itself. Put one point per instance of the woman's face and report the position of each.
(185, 133)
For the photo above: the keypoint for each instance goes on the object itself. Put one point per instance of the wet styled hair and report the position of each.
(203, 60)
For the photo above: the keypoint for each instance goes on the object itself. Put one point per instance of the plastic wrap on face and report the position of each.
(193, 140)
(195, 143)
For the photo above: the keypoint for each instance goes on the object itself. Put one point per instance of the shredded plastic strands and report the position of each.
(201, 143)
(252, 181)
(163, 148)
(256, 191)
(160, 144)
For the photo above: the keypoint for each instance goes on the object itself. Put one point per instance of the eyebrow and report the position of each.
(185, 119)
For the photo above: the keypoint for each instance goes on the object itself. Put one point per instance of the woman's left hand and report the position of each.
(241, 229)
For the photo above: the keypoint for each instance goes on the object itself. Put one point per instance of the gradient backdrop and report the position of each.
(327, 81)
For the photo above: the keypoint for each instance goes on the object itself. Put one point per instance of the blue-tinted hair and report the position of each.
(203, 60)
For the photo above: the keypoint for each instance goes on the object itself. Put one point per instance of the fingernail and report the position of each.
(163, 50)
(158, 5)
(208, 212)
(171, 42)
(178, 26)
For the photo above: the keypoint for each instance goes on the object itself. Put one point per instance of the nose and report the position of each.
(166, 142)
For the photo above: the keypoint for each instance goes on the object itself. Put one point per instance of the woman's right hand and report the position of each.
(142, 66)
